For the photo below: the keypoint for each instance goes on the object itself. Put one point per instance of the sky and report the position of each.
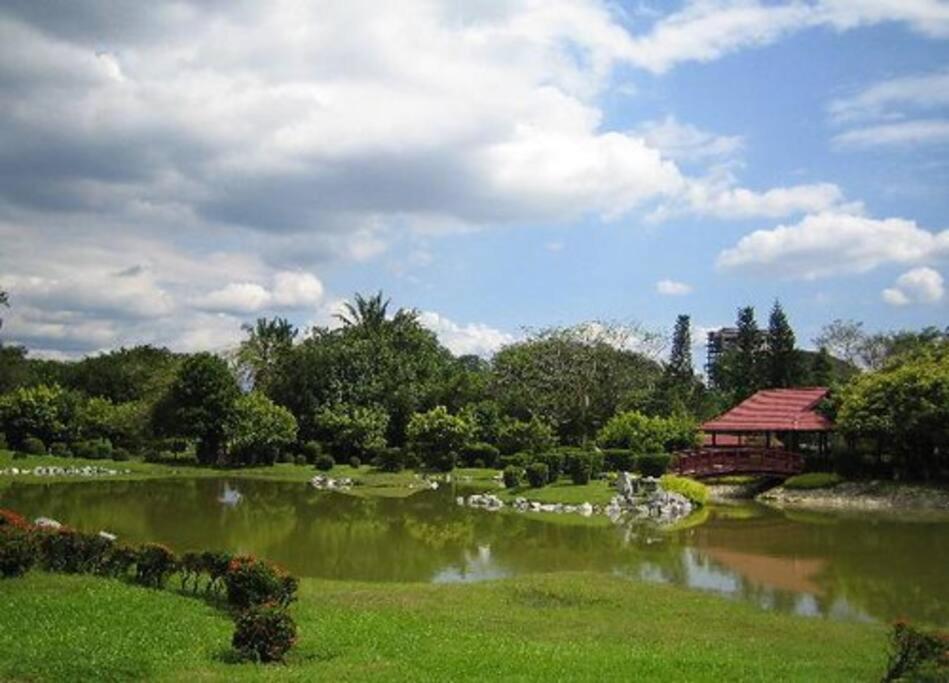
(170, 170)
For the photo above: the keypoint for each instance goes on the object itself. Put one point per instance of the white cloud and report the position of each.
(919, 285)
(832, 243)
(235, 297)
(888, 98)
(296, 290)
(684, 142)
(673, 288)
(473, 338)
(903, 133)
(706, 30)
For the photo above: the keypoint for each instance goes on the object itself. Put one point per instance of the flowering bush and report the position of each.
(154, 564)
(917, 655)
(72, 552)
(250, 582)
(11, 518)
(17, 551)
(264, 633)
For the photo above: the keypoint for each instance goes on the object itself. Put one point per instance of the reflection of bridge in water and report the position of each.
(714, 462)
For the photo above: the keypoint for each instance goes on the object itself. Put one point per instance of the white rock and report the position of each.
(47, 523)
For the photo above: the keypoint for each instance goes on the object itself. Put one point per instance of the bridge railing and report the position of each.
(708, 462)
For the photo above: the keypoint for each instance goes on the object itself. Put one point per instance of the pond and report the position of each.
(831, 565)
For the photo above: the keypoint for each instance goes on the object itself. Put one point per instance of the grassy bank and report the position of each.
(553, 627)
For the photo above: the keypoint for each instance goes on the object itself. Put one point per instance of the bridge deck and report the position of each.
(713, 462)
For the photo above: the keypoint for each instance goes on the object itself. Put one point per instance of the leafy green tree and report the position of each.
(201, 404)
(350, 430)
(643, 434)
(140, 373)
(822, 369)
(575, 378)
(437, 437)
(905, 406)
(485, 419)
(48, 413)
(525, 436)
(262, 430)
(780, 356)
(368, 313)
(259, 354)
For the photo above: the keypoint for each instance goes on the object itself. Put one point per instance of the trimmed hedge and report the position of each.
(512, 476)
(538, 474)
(653, 464)
(695, 491)
(34, 446)
(264, 633)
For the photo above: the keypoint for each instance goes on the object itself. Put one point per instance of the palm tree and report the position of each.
(368, 313)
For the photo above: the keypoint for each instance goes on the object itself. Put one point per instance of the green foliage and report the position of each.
(264, 633)
(538, 474)
(580, 467)
(905, 408)
(70, 551)
(201, 404)
(324, 462)
(917, 655)
(531, 436)
(512, 476)
(640, 433)
(138, 374)
(436, 437)
(154, 564)
(653, 464)
(355, 462)
(251, 582)
(258, 357)
(781, 368)
(695, 491)
(574, 378)
(353, 430)
(485, 419)
(44, 412)
(391, 460)
(822, 369)
(483, 453)
(554, 461)
(262, 430)
(312, 450)
(93, 449)
(33, 446)
(17, 551)
(618, 459)
(813, 480)
(60, 449)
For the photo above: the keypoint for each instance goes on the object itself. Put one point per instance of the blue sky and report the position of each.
(168, 174)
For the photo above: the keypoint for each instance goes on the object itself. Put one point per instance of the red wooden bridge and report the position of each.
(715, 462)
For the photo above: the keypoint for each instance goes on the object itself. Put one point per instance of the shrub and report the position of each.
(355, 462)
(644, 434)
(534, 436)
(251, 582)
(813, 480)
(483, 452)
(72, 552)
(9, 518)
(325, 462)
(520, 460)
(537, 474)
(653, 464)
(512, 476)
(299, 460)
(917, 655)
(580, 466)
(555, 464)
(60, 449)
(93, 449)
(215, 564)
(353, 430)
(34, 446)
(262, 430)
(437, 437)
(695, 491)
(17, 551)
(3, 442)
(286, 458)
(118, 560)
(154, 564)
(121, 455)
(392, 460)
(618, 460)
(264, 633)
(312, 450)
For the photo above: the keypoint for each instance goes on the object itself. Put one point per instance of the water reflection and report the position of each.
(828, 565)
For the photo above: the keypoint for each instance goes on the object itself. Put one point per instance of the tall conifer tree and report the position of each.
(747, 361)
(782, 366)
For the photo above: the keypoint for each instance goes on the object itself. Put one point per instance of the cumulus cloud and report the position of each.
(673, 288)
(464, 339)
(902, 133)
(920, 285)
(832, 243)
(687, 143)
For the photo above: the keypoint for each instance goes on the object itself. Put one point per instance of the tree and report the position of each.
(782, 367)
(905, 406)
(530, 436)
(5, 302)
(367, 313)
(44, 412)
(822, 370)
(679, 366)
(262, 430)
(351, 430)
(140, 373)
(258, 356)
(574, 378)
(201, 404)
(437, 437)
(747, 366)
(842, 338)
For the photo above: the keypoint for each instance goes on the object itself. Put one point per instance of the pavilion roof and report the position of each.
(775, 410)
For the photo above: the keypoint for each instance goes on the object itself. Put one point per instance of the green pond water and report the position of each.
(830, 565)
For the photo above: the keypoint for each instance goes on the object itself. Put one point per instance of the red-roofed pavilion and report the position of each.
(741, 439)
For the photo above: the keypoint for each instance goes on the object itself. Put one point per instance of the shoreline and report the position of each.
(863, 496)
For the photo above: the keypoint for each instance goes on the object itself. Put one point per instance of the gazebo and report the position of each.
(761, 435)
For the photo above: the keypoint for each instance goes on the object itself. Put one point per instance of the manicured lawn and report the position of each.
(544, 628)
(596, 492)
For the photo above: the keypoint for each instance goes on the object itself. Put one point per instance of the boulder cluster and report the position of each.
(53, 471)
(323, 482)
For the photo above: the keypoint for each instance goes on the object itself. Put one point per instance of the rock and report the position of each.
(47, 523)
(107, 536)
(586, 509)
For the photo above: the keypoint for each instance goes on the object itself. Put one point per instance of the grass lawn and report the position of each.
(596, 492)
(550, 627)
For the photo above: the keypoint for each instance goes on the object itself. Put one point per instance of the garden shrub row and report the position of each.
(579, 464)
(257, 592)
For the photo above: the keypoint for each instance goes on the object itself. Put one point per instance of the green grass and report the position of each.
(596, 492)
(695, 491)
(813, 480)
(543, 628)
(733, 480)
